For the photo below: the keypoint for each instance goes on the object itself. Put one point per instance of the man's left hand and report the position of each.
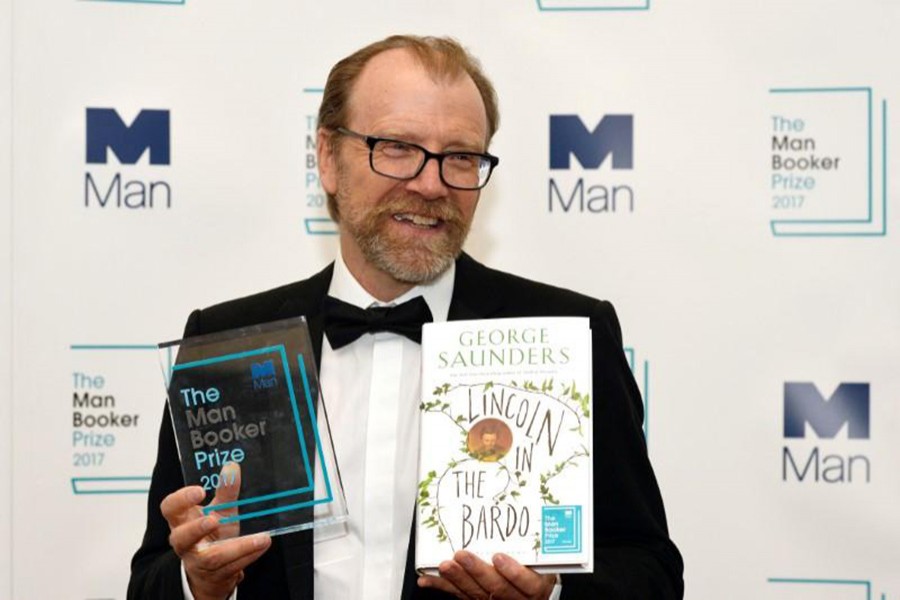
(469, 577)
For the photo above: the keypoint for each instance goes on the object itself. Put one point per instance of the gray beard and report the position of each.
(425, 267)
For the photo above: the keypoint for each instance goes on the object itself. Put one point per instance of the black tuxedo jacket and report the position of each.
(633, 556)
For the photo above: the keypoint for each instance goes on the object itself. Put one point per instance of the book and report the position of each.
(506, 443)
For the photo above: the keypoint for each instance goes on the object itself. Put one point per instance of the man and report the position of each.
(487, 446)
(404, 128)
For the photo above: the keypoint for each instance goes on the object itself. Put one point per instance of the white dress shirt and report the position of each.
(371, 389)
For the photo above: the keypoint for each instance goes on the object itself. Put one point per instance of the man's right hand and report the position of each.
(213, 570)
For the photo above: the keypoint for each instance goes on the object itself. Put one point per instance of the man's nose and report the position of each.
(428, 182)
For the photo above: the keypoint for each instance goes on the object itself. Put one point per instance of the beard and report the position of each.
(407, 259)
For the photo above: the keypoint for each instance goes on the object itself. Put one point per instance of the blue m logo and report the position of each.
(149, 130)
(264, 369)
(613, 136)
(848, 404)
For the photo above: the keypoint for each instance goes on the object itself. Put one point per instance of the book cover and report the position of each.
(505, 460)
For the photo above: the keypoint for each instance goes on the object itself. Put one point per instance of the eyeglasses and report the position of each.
(403, 160)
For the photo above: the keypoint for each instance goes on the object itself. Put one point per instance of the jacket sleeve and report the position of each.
(155, 568)
(634, 557)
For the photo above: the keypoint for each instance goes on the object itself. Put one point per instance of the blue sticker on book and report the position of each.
(560, 529)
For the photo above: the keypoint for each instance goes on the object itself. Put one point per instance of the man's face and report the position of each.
(489, 441)
(399, 233)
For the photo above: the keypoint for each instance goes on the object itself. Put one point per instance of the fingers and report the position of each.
(182, 505)
(229, 484)
(227, 559)
(182, 511)
(191, 534)
(228, 492)
(467, 576)
(525, 580)
(475, 578)
(438, 583)
(216, 569)
(212, 569)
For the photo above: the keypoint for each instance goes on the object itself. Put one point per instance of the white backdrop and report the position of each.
(727, 288)
(6, 297)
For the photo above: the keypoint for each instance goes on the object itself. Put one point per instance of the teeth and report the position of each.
(417, 219)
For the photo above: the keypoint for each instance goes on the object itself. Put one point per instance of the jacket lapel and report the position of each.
(476, 294)
(307, 302)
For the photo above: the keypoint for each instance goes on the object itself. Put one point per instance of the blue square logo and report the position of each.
(582, 5)
(142, 1)
(560, 529)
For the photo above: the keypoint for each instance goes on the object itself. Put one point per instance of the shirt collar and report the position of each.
(437, 293)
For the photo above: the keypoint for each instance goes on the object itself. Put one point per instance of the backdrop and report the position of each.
(721, 171)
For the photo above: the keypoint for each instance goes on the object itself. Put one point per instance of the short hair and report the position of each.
(442, 57)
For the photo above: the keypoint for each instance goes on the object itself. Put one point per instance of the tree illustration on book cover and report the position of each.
(506, 438)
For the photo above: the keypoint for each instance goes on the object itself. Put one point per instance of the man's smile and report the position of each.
(417, 220)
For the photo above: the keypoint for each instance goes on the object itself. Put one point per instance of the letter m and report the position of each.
(266, 369)
(613, 135)
(848, 404)
(105, 129)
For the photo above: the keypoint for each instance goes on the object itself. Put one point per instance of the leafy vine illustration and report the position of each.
(569, 398)
(546, 494)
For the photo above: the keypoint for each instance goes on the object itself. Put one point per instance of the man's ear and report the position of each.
(327, 161)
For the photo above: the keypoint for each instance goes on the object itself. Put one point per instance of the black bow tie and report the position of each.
(345, 323)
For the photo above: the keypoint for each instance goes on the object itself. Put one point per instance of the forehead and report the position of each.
(395, 94)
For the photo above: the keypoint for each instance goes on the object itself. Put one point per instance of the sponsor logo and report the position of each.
(802, 588)
(807, 411)
(141, 147)
(582, 185)
(148, 132)
(612, 137)
(316, 220)
(828, 157)
(560, 529)
(109, 437)
(848, 405)
(263, 375)
(592, 5)
(641, 372)
(180, 2)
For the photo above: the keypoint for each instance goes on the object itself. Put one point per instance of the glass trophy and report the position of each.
(251, 429)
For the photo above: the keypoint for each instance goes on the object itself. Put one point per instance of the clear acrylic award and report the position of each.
(251, 429)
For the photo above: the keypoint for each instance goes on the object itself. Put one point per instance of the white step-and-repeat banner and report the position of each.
(722, 171)
(6, 296)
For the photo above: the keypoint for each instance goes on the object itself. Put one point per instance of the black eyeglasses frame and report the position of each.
(371, 141)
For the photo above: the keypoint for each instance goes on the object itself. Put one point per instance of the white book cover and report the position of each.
(505, 459)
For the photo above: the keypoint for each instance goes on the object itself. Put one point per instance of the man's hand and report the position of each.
(213, 571)
(469, 577)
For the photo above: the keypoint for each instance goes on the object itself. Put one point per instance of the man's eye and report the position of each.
(462, 160)
(397, 149)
